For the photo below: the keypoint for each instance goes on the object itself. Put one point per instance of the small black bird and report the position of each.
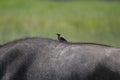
(61, 39)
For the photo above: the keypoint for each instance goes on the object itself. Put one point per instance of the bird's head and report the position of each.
(58, 34)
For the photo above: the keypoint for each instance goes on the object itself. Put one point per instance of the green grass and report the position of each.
(97, 22)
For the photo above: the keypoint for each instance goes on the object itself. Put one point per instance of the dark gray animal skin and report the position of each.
(47, 59)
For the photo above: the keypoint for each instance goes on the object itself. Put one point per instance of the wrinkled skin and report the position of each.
(46, 59)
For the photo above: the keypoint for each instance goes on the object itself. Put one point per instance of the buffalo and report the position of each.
(47, 59)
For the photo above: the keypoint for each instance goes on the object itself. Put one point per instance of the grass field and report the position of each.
(97, 22)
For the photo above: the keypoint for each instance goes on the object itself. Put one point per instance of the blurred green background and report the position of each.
(78, 21)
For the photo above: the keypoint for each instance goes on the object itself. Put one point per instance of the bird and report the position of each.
(61, 39)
